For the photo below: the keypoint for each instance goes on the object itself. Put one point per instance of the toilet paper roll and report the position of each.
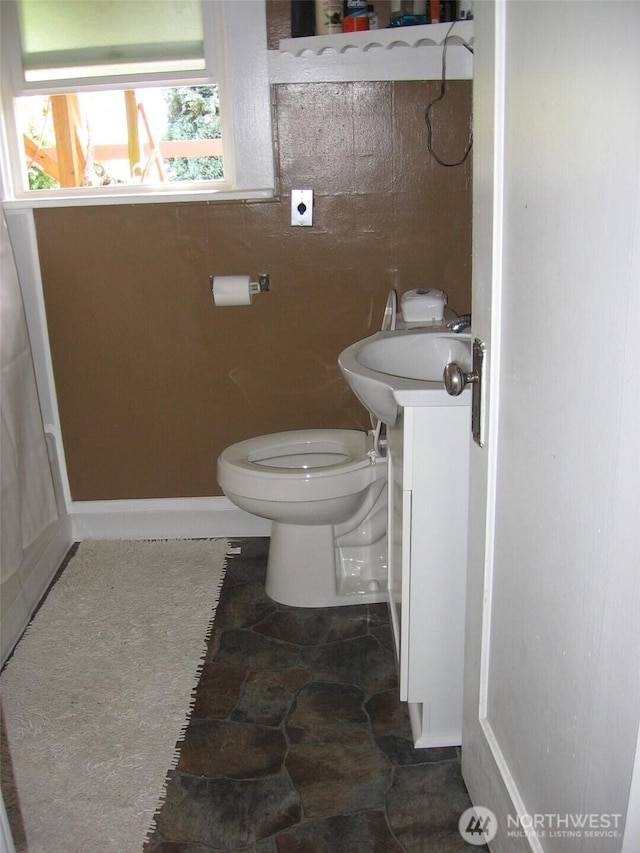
(232, 290)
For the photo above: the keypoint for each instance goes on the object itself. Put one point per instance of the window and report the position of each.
(121, 138)
(123, 100)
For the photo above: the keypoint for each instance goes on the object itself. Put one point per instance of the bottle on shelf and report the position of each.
(328, 17)
(302, 18)
(408, 13)
(355, 16)
(448, 11)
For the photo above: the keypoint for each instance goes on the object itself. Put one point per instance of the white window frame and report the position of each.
(236, 32)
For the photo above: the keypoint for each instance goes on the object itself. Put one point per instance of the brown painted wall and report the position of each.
(153, 381)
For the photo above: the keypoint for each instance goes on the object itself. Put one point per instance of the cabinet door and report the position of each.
(428, 489)
(436, 599)
(399, 444)
(395, 533)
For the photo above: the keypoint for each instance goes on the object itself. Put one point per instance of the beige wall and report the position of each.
(153, 381)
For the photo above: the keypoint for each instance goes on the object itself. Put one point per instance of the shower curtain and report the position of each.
(28, 510)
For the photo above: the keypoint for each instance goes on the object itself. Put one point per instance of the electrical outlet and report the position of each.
(302, 207)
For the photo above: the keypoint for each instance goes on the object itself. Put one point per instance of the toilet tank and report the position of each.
(423, 306)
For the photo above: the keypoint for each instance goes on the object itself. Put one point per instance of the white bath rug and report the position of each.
(100, 687)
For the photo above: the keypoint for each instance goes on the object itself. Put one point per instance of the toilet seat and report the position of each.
(313, 463)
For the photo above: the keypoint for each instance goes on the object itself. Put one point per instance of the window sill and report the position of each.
(400, 53)
(37, 200)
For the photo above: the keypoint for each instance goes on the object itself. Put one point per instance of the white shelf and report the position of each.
(399, 53)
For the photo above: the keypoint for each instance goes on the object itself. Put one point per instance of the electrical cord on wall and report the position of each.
(427, 112)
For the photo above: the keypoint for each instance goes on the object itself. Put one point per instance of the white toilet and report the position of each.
(325, 493)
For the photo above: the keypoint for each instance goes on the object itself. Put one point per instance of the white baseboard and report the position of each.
(40, 563)
(425, 739)
(6, 841)
(163, 518)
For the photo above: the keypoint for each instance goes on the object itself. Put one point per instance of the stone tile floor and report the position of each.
(298, 743)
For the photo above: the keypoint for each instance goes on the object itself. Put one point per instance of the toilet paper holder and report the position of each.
(260, 286)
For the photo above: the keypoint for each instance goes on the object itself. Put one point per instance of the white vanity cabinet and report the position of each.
(428, 458)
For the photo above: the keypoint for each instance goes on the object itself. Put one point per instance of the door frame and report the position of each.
(482, 758)
(485, 770)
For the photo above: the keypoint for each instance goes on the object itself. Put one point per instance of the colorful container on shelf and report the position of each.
(355, 16)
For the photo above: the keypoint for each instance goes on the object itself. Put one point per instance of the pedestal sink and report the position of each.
(389, 370)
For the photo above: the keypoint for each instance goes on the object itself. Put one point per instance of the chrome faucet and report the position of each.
(460, 323)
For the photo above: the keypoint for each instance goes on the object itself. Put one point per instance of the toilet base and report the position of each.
(305, 570)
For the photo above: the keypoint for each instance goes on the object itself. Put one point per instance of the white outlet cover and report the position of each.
(302, 207)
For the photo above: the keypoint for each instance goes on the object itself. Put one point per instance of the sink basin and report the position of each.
(390, 370)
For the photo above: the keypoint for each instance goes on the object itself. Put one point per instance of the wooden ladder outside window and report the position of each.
(135, 116)
(71, 161)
